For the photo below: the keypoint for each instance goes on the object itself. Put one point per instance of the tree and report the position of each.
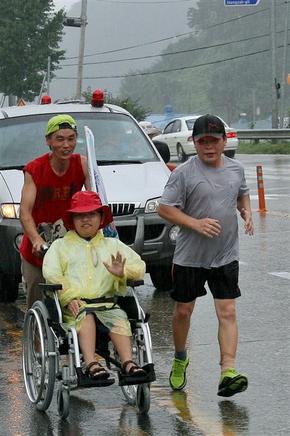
(223, 67)
(30, 32)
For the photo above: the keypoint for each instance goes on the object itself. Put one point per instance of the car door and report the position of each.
(176, 136)
(167, 137)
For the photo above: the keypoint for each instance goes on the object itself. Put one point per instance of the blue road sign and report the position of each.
(242, 2)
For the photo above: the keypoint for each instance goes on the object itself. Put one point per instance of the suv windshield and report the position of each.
(117, 138)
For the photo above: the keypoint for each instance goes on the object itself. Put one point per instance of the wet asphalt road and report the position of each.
(263, 352)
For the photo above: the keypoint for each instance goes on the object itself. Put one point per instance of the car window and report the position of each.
(190, 123)
(117, 137)
(176, 126)
(168, 128)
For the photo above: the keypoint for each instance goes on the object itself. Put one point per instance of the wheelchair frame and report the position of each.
(45, 340)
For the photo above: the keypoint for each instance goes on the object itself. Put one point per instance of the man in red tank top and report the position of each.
(49, 183)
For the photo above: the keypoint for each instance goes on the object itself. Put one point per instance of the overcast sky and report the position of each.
(112, 26)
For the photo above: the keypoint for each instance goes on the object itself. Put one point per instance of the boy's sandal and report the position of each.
(96, 371)
(134, 370)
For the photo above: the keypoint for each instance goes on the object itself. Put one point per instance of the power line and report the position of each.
(170, 37)
(172, 69)
(221, 44)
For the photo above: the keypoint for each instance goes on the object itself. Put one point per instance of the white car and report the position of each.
(177, 134)
(132, 167)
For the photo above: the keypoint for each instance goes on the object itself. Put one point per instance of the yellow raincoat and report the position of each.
(78, 265)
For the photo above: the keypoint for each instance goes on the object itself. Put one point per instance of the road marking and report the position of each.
(282, 274)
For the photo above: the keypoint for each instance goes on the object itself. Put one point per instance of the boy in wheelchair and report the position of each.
(92, 270)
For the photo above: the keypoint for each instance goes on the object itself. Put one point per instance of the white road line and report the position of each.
(282, 274)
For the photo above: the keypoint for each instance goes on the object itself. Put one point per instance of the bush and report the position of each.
(263, 147)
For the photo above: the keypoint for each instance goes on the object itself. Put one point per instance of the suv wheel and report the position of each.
(181, 156)
(230, 153)
(9, 288)
(161, 277)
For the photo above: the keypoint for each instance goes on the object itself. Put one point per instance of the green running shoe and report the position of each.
(231, 383)
(177, 378)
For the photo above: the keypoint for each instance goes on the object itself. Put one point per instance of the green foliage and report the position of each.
(229, 60)
(263, 147)
(139, 112)
(30, 31)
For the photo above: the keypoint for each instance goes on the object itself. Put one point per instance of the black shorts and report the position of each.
(189, 282)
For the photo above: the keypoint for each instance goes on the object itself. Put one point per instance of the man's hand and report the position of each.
(117, 266)
(37, 244)
(247, 217)
(208, 227)
(74, 307)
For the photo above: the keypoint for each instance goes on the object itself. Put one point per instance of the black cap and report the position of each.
(208, 125)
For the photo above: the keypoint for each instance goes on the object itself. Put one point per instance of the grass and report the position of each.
(263, 147)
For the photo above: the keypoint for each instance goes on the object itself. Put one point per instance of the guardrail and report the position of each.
(263, 133)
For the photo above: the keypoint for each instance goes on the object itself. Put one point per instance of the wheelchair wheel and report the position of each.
(143, 398)
(63, 401)
(130, 393)
(139, 356)
(38, 360)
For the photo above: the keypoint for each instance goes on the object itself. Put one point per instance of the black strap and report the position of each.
(99, 300)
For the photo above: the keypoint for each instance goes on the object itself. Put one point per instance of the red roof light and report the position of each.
(45, 99)
(97, 98)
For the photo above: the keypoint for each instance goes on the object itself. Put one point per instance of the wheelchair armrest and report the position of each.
(48, 287)
(134, 283)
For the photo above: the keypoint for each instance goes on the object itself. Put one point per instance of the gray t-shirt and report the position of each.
(202, 191)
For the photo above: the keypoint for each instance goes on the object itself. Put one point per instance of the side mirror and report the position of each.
(163, 150)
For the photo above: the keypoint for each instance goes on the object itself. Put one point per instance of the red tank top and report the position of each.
(53, 195)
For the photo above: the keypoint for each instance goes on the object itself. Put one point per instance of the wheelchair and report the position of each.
(51, 353)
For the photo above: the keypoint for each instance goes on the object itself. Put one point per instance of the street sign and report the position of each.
(242, 2)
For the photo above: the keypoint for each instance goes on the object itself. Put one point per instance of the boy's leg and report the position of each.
(87, 338)
(123, 346)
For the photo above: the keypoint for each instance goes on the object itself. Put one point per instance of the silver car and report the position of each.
(177, 134)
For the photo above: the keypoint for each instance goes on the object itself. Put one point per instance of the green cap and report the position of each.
(54, 124)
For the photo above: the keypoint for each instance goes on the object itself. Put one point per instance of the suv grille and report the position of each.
(119, 209)
(127, 234)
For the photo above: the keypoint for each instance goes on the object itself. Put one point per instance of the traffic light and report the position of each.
(72, 21)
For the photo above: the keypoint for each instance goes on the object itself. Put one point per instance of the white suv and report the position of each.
(133, 171)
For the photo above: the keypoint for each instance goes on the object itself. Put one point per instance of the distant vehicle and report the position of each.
(131, 165)
(149, 129)
(177, 134)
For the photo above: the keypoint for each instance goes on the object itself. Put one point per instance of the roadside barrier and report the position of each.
(261, 193)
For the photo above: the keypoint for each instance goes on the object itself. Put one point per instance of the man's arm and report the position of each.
(28, 196)
(244, 207)
(206, 226)
(84, 162)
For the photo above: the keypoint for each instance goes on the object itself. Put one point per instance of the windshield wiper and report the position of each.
(12, 167)
(114, 162)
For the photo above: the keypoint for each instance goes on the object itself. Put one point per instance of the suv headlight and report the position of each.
(10, 210)
(152, 205)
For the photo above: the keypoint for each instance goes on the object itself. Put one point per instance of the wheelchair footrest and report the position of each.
(84, 381)
(127, 380)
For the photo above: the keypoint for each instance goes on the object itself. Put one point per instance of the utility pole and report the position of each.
(81, 49)
(283, 79)
(48, 75)
(275, 84)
